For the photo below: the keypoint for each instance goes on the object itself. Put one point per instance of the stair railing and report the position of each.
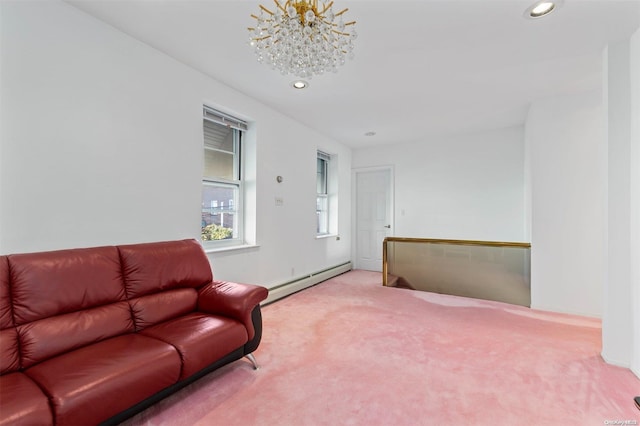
(491, 270)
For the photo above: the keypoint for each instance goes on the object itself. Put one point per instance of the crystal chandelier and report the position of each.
(301, 38)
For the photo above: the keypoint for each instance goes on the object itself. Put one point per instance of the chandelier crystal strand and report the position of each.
(302, 38)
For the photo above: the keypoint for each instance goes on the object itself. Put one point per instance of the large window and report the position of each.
(222, 188)
(322, 193)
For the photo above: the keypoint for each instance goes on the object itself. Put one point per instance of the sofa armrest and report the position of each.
(232, 300)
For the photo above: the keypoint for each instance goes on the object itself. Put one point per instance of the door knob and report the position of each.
(387, 226)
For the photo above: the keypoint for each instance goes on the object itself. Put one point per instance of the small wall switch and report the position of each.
(279, 201)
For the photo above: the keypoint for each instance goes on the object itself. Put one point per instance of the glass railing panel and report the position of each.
(479, 269)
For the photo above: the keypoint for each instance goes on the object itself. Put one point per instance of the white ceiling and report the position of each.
(422, 68)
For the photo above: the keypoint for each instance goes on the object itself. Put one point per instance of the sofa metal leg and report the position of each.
(252, 358)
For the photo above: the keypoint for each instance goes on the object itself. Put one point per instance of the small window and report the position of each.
(322, 193)
(222, 186)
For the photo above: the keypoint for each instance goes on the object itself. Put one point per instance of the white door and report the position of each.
(373, 216)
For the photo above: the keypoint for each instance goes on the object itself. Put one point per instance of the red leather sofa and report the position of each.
(94, 335)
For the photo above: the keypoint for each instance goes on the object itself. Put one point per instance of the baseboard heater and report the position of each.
(306, 281)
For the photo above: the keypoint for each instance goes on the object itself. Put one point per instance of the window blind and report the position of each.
(324, 156)
(215, 116)
(217, 136)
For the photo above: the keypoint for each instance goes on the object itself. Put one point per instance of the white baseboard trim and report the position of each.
(616, 362)
(306, 281)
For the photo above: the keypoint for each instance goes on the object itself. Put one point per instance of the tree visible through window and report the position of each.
(222, 178)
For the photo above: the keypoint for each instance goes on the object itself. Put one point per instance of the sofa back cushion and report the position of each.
(153, 267)
(46, 338)
(58, 282)
(9, 350)
(6, 316)
(155, 308)
(66, 299)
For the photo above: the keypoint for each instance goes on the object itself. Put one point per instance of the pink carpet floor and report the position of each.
(351, 352)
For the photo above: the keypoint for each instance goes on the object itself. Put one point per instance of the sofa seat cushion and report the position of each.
(200, 338)
(93, 383)
(22, 401)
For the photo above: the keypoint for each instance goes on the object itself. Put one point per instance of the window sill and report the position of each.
(230, 248)
(323, 236)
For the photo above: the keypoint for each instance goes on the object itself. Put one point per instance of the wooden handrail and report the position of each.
(458, 242)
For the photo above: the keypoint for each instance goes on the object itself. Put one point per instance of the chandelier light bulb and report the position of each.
(302, 38)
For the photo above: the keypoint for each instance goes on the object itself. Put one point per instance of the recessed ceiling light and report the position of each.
(300, 84)
(541, 8)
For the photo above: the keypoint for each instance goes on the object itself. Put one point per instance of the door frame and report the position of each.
(354, 205)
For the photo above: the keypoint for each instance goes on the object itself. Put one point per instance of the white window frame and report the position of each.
(240, 128)
(323, 217)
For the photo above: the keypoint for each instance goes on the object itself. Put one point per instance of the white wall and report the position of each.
(617, 301)
(457, 187)
(621, 317)
(635, 200)
(101, 142)
(567, 161)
